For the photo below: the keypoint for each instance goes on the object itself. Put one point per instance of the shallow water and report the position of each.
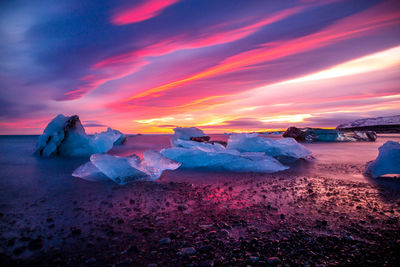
(23, 174)
(33, 189)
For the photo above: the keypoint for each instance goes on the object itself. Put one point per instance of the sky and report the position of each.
(147, 66)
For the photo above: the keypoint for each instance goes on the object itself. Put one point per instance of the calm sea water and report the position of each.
(24, 176)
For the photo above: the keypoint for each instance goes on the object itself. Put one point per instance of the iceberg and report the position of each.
(227, 160)
(65, 135)
(287, 147)
(185, 133)
(123, 170)
(243, 153)
(387, 162)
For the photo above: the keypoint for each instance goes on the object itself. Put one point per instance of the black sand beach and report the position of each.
(318, 213)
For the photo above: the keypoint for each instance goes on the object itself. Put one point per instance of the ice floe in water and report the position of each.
(65, 135)
(185, 133)
(253, 143)
(123, 170)
(387, 162)
(243, 153)
(229, 160)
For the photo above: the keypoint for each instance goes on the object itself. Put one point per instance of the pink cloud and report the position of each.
(144, 11)
(358, 25)
(121, 65)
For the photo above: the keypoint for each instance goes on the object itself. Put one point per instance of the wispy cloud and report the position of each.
(141, 12)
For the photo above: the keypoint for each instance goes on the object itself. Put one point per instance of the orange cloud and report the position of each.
(358, 25)
(119, 66)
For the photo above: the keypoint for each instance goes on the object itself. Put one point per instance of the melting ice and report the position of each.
(65, 135)
(244, 152)
(387, 162)
(123, 170)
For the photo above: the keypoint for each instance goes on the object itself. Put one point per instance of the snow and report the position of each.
(387, 162)
(123, 170)
(65, 135)
(389, 120)
(253, 143)
(184, 133)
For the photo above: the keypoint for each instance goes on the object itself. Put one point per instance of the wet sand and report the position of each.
(321, 212)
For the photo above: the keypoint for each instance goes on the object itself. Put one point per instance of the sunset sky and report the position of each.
(147, 66)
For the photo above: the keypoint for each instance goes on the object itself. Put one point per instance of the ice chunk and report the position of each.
(387, 162)
(121, 137)
(89, 172)
(201, 145)
(66, 136)
(154, 164)
(123, 170)
(229, 160)
(253, 143)
(55, 134)
(182, 133)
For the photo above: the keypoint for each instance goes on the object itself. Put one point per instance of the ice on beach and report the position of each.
(123, 170)
(65, 135)
(287, 147)
(184, 133)
(201, 145)
(228, 160)
(243, 153)
(387, 162)
(90, 172)
(154, 163)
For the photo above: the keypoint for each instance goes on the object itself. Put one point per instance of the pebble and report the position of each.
(165, 241)
(36, 244)
(188, 251)
(273, 260)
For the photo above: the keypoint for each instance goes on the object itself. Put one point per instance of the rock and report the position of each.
(90, 261)
(36, 244)
(182, 207)
(295, 133)
(188, 251)
(328, 135)
(207, 264)
(165, 241)
(75, 231)
(200, 138)
(273, 260)
(253, 259)
(19, 250)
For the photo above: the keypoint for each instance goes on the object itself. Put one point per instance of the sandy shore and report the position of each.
(285, 219)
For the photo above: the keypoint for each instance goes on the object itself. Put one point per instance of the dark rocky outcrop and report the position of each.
(205, 138)
(296, 133)
(328, 135)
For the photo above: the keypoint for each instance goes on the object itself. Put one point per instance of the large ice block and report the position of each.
(387, 162)
(287, 147)
(123, 170)
(229, 160)
(66, 136)
(154, 163)
(185, 133)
